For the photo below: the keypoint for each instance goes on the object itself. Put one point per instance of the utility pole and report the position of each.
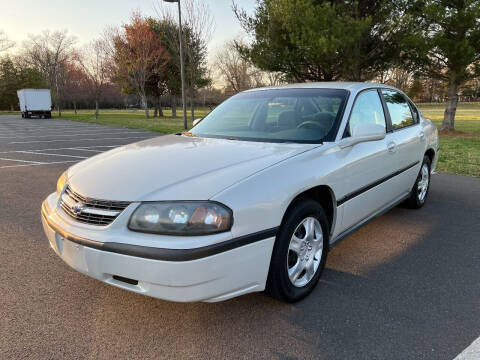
(182, 71)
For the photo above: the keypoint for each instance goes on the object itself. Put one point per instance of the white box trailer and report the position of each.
(35, 102)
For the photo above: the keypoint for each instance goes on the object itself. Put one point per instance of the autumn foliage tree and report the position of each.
(77, 87)
(139, 55)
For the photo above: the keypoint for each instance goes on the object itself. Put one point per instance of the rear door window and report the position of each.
(399, 109)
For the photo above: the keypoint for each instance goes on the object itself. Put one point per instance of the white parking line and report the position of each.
(470, 353)
(41, 153)
(66, 148)
(96, 151)
(42, 141)
(14, 130)
(73, 134)
(50, 163)
(25, 161)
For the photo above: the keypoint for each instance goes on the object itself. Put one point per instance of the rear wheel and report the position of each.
(419, 193)
(300, 252)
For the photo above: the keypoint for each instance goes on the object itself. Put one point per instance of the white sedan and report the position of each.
(251, 199)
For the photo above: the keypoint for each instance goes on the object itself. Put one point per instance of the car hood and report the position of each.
(174, 167)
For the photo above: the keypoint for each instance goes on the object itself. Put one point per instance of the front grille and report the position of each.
(91, 211)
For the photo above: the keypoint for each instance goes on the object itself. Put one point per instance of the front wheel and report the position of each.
(419, 193)
(300, 252)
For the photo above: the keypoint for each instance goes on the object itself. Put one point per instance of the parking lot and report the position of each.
(406, 286)
(32, 142)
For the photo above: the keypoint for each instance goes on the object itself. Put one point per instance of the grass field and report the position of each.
(459, 154)
(460, 151)
(135, 119)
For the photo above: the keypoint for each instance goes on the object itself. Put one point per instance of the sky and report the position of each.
(86, 19)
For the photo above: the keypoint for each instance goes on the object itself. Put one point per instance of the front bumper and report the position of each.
(187, 274)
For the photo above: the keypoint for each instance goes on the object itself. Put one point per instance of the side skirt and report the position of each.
(338, 239)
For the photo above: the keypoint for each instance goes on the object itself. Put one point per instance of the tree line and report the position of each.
(428, 48)
(136, 62)
(434, 41)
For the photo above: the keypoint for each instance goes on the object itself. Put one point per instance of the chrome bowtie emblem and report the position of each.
(78, 208)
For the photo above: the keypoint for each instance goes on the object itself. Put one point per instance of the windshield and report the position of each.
(280, 115)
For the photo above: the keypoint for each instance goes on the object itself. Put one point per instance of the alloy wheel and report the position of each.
(422, 187)
(305, 252)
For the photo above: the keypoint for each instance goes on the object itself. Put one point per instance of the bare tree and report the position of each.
(273, 78)
(95, 63)
(5, 42)
(49, 53)
(238, 74)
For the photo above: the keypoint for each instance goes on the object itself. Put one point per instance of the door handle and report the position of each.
(421, 135)
(392, 147)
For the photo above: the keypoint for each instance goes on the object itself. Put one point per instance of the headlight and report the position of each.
(61, 183)
(181, 218)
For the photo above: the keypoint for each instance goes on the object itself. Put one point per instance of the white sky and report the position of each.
(86, 19)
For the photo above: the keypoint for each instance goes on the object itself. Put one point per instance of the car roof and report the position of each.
(351, 86)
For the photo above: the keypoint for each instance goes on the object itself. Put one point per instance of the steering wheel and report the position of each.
(310, 124)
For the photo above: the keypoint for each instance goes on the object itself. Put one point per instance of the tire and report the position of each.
(419, 192)
(295, 257)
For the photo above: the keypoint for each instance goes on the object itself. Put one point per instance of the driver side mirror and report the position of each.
(364, 132)
(196, 121)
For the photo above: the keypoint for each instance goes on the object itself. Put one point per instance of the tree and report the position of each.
(323, 40)
(77, 88)
(49, 54)
(139, 55)
(450, 43)
(8, 84)
(14, 77)
(197, 35)
(197, 29)
(95, 64)
(5, 43)
(167, 81)
(237, 73)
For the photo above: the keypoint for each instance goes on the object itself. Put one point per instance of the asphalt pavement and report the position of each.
(406, 286)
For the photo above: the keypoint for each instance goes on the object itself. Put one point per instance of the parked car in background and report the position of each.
(251, 199)
(35, 102)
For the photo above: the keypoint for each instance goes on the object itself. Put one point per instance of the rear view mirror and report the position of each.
(364, 132)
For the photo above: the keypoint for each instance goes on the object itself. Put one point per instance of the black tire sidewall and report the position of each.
(278, 283)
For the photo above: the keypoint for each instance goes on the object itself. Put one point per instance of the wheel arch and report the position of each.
(430, 153)
(324, 195)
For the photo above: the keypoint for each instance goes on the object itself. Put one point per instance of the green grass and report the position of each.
(135, 119)
(459, 154)
(467, 117)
